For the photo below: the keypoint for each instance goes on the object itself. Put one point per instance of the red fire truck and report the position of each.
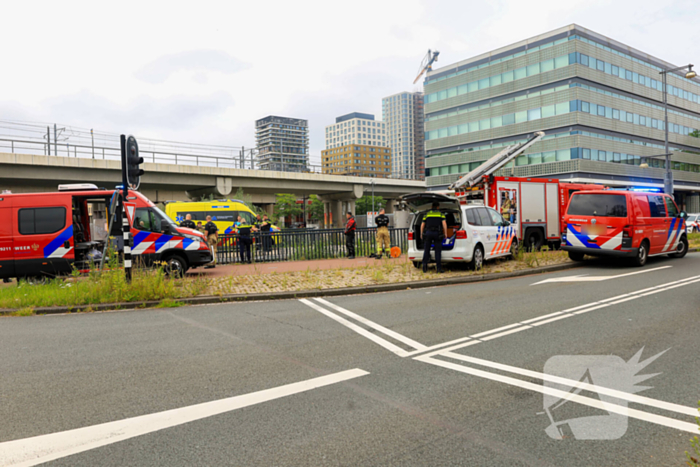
(534, 206)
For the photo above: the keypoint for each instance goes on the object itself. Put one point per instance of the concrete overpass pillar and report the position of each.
(339, 219)
(327, 218)
(389, 208)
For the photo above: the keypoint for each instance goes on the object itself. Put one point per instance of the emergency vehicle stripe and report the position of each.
(186, 242)
(139, 237)
(162, 241)
(673, 224)
(580, 239)
(141, 248)
(673, 236)
(613, 243)
(58, 242)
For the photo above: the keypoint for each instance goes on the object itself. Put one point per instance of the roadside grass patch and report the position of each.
(694, 240)
(108, 286)
(27, 311)
(169, 303)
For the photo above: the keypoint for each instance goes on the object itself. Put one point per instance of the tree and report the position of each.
(364, 205)
(316, 208)
(694, 134)
(286, 206)
(247, 200)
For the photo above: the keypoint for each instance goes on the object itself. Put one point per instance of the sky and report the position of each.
(203, 72)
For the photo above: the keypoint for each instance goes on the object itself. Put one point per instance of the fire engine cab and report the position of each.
(48, 234)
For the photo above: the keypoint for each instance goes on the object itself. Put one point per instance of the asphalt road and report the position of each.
(456, 375)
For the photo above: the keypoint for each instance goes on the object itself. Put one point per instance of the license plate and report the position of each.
(594, 229)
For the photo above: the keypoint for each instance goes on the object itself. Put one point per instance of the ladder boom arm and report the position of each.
(496, 162)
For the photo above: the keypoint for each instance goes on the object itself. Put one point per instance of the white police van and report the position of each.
(475, 233)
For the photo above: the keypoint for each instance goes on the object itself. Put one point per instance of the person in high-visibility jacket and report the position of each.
(383, 237)
(432, 230)
(245, 239)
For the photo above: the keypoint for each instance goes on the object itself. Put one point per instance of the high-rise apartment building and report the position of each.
(357, 160)
(355, 128)
(283, 144)
(403, 115)
(600, 103)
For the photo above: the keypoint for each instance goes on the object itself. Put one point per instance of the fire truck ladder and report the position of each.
(496, 162)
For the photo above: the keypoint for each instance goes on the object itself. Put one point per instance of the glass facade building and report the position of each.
(599, 102)
(403, 115)
(282, 143)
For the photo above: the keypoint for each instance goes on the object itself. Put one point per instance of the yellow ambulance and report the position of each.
(224, 213)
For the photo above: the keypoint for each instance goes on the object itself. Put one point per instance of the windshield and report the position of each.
(163, 217)
(598, 205)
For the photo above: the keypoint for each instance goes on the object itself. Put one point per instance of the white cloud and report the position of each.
(173, 70)
(199, 61)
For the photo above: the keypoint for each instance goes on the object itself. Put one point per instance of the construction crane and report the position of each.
(427, 63)
(496, 162)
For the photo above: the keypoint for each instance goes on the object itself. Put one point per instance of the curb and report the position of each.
(365, 289)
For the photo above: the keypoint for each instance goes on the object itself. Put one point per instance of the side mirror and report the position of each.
(683, 215)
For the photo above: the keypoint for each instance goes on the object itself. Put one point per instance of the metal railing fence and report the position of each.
(66, 141)
(304, 245)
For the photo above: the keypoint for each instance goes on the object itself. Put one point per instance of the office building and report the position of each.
(599, 101)
(282, 143)
(403, 115)
(357, 160)
(355, 128)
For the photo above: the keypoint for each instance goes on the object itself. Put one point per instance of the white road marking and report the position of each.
(596, 403)
(372, 324)
(568, 313)
(363, 332)
(671, 407)
(595, 278)
(45, 448)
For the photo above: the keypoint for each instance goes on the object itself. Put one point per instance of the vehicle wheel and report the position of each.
(477, 259)
(175, 267)
(575, 256)
(36, 280)
(514, 248)
(417, 264)
(682, 249)
(642, 255)
(533, 239)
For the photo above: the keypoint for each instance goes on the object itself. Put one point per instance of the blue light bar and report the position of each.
(647, 190)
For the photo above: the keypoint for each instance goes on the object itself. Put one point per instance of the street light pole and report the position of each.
(668, 177)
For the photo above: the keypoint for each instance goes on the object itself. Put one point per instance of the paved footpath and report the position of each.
(596, 366)
(285, 266)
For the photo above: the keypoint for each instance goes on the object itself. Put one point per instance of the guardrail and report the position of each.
(305, 245)
(246, 159)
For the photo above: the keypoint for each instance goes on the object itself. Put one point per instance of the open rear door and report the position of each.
(7, 251)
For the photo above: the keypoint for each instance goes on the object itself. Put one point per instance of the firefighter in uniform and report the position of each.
(188, 223)
(245, 239)
(212, 232)
(432, 230)
(383, 237)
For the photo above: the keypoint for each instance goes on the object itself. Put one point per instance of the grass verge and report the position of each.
(694, 240)
(153, 285)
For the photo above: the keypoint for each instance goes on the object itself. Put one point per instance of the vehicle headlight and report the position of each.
(193, 237)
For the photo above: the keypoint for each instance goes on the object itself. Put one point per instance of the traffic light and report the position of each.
(133, 163)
